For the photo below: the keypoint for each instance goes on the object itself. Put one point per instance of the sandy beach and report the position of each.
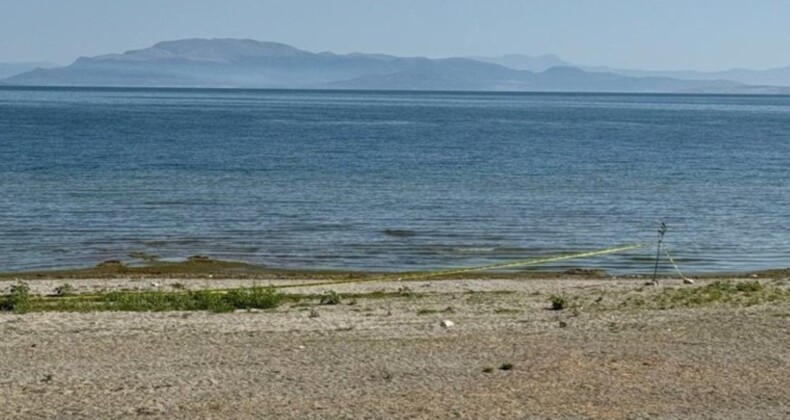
(609, 353)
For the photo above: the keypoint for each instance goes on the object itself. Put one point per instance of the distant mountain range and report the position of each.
(526, 62)
(12, 69)
(244, 63)
(779, 76)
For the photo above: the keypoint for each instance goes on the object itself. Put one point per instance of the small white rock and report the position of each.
(447, 323)
(688, 281)
(154, 284)
(301, 347)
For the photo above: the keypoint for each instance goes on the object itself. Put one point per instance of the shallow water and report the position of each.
(391, 181)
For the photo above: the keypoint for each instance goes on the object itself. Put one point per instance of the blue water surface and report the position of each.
(391, 180)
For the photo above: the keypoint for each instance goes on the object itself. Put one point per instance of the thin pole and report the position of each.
(661, 231)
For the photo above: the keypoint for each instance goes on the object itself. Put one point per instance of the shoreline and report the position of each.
(200, 267)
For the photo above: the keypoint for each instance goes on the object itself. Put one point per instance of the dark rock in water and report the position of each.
(400, 233)
(110, 263)
(140, 255)
(585, 272)
(199, 259)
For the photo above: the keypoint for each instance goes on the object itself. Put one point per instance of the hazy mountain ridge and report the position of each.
(215, 50)
(779, 76)
(13, 69)
(536, 63)
(245, 63)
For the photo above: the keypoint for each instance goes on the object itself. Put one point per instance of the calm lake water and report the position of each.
(391, 181)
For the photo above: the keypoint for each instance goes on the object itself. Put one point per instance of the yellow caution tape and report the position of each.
(439, 273)
(677, 270)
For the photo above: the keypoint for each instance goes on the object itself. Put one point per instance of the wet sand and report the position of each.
(392, 358)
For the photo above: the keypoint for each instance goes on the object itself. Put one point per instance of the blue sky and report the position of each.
(657, 34)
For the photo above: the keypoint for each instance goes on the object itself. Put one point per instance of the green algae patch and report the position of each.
(204, 267)
(197, 266)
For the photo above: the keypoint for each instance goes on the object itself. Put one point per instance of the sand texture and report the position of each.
(392, 358)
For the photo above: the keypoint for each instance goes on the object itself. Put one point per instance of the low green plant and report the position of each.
(254, 298)
(749, 287)
(427, 311)
(18, 300)
(506, 366)
(502, 311)
(405, 291)
(64, 289)
(330, 298)
(558, 302)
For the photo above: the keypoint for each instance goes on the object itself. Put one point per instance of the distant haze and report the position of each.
(655, 35)
(11, 69)
(247, 63)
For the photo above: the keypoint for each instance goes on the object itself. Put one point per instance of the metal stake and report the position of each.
(661, 231)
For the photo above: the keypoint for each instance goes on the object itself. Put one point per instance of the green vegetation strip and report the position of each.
(20, 300)
(718, 293)
(724, 293)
